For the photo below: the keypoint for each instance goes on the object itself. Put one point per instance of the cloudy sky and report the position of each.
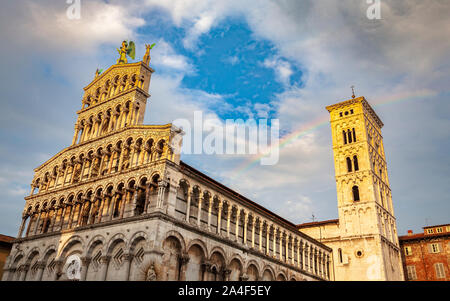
(285, 59)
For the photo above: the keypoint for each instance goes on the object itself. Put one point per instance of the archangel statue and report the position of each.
(127, 49)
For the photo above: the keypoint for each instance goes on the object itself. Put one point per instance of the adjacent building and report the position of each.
(5, 249)
(426, 256)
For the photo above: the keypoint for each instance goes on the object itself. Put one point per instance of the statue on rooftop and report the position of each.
(147, 58)
(127, 49)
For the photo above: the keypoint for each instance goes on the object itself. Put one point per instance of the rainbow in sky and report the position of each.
(323, 121)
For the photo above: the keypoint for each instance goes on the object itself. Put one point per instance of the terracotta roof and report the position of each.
(422, 236)
(313, 224)
(4, 238)
(437, 226)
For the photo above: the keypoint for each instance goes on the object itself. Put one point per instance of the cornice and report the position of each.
(123, 93)
(120, 66)
(97, 179)
(108, 135)
(364, 103)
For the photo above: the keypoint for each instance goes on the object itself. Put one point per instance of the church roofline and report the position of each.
(428, 227)
(364, 102)
(287, 223)
(320, 223)
(98, 78)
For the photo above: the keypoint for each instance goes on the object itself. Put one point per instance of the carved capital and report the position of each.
(184, 258)
(105, 259)
(41, 265)
(128, 257)
(244, 277)
(206, 265)
(162, 184)
(86, 260)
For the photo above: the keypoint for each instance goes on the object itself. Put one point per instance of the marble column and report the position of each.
(22, 225)
(188, 205)
(245, 226)
(104, 267)
(261, 224)
(253, 231)
(41, 268)
(128, 259)
(230, 210)
(211, 201)
(37, 223)
(199, 213)
(85, 261)
(238, 216)
(219, 218)
(275, 242)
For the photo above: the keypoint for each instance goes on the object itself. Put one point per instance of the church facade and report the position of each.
(118, 204)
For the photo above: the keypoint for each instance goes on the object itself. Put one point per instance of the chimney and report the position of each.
(410, 232)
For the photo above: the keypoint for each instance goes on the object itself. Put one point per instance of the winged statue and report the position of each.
(146, 58)
(127, 49)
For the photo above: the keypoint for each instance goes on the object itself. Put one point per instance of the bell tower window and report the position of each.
(355, 191)
(355, 162)
(349, 165)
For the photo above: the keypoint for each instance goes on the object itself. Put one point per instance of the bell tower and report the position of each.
(369, 248)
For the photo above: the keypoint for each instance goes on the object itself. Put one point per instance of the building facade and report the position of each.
(364, 238)
(118, 204)
(426, 256)
(5, 249)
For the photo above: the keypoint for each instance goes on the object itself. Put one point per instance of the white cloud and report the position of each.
(232, 60)
(164, 55)
(282, 68)
(100, 23)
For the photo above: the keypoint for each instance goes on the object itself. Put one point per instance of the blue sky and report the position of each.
(238, 59)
